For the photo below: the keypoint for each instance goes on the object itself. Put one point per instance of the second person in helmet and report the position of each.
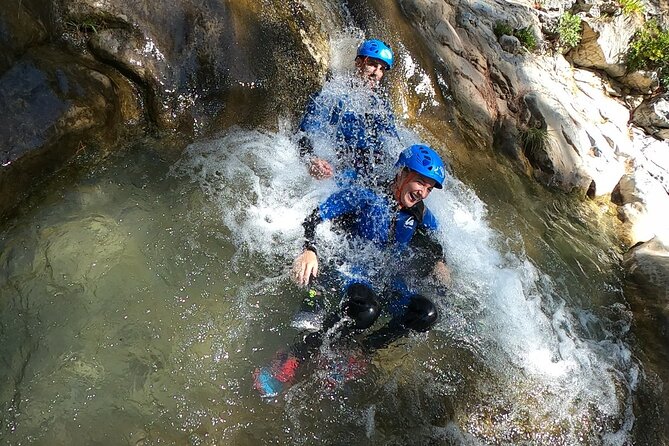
(358, 126)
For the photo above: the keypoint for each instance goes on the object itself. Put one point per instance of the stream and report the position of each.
(139, 294)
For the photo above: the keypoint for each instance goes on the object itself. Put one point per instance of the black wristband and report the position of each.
(310, 247)
(306, 147)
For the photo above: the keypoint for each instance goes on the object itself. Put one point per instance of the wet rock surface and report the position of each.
(19, 30)
(53, 106)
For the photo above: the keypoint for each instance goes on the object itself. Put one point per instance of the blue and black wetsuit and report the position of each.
(366, 214)
(359, 125)
(408, 237)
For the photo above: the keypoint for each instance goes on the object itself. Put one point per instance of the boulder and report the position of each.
(653, 116)
(19, 30)
(648, 266)
(53, 107)
(604, 44)
(644, 82)
(510, 44)
(643, 205)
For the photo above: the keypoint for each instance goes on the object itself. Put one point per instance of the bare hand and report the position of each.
(320, 169)
(442, 274)
(305, 266)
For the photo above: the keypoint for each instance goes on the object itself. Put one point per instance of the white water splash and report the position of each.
(502, 307)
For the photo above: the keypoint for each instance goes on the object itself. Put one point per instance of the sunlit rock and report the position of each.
(642, 81)
(604, 44)
(648, 264)
(653, 116)
(644, 207)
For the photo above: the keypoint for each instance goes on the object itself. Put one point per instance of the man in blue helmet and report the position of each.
(401, 229)
(359, 124)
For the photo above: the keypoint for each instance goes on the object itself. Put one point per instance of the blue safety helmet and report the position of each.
(425, 161)
(378, 50)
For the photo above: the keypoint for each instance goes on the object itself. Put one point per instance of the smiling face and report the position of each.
(371, 69)
(410, 188)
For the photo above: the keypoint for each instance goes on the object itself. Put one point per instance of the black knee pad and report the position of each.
(361, 306)
(421, 314)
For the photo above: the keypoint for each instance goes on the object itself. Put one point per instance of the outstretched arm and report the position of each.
(306, 264)
(337, 205)
(432, 253)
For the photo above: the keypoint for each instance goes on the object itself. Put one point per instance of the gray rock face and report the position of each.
(653, 116)
(488, 84)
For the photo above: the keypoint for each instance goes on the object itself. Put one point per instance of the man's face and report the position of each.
(412, 187)
(371, 68)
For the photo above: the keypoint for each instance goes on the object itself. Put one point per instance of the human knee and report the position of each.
(361, 306)
(421, 314)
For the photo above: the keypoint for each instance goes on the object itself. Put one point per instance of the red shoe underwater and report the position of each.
(269, 381)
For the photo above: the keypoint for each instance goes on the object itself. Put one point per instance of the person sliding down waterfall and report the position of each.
(361, 124)
(397, 223)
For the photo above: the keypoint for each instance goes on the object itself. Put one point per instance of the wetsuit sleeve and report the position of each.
(428, 250)
(309, 226)
(316, 117)
(339, 204)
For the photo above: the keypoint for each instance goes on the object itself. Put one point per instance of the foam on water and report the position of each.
(501, 307)
(521, 310)
(500, 303)
(260, 187)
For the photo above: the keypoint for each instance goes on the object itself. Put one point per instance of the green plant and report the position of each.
(649, 50)
(534, 140)
(84, 26)
(524, 35)
(632, 7)
(502, 28)
(569, 30)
